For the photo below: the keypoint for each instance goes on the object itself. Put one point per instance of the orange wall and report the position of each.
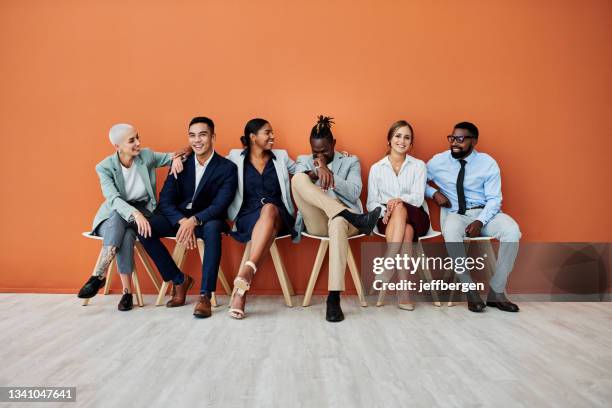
(535, 76)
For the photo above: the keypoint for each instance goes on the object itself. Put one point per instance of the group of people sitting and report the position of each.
(253, 188)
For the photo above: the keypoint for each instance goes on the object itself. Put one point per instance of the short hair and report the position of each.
(470, 127)
(397, 125)
(252, 126)
(205, 120)
(118, 132)
(322, 130)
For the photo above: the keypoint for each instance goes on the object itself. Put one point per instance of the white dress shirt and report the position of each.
(408, 184)
(199, 173)
(135, 189)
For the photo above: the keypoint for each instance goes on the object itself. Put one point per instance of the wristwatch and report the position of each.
(198, 221)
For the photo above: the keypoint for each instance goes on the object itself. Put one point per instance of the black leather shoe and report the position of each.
(500, 301)
(365, 223)
(334, 311)
(475, 303)
(126, 303)
(91, 287)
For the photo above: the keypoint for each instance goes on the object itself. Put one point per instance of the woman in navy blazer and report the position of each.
(262, 208)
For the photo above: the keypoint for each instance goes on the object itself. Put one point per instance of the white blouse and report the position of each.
(135, 189)
(408, 185)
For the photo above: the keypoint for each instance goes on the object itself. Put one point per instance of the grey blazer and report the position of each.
(284, 166)
(113, 185)
(347, 180)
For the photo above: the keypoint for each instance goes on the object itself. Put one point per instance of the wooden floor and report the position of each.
(549, 354)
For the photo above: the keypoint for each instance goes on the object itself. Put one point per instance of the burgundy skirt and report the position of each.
(417, 217)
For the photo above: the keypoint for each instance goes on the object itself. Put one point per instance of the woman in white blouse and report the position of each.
(396, 184)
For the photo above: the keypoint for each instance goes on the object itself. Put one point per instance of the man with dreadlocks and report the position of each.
(326, 188)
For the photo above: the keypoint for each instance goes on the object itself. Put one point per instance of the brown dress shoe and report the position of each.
(202, 308)
(180, 292)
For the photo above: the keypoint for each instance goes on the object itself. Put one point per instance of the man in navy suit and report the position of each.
(194, 205)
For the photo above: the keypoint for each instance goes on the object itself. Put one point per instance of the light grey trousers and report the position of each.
(121, 234)
(502, 227)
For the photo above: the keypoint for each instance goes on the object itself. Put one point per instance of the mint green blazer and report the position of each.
(113, 185)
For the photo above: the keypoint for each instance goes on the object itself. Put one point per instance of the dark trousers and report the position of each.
(210, 232)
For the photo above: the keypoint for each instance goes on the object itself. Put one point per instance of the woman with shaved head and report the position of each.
(127, 178)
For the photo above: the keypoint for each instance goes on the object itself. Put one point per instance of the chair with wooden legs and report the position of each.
(139, 250)
(314, 275)
(178, 255)
(489, 251)
(279, 266)
(424, 271)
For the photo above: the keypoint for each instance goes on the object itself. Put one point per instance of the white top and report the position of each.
(199, 173)
(135, 189)
(201, 168)
(408, 185)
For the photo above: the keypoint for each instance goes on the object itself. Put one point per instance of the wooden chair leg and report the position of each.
(427, 273)
(147, 265)
(356, 277)
(162, 293)
(455, 279)
(314, 275)
(245, 256)
(282, 264)
(282, 274)
(224, 283)
(86, 301)
(136, 284)
(491, 259)
(179, 258)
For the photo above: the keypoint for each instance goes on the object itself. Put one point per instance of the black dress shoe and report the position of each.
(334, 311)
(365, 223)
(500, 301)
(91, 287)
(126, 303)
(475, 303)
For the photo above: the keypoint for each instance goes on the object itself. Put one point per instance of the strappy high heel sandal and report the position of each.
(241, 286)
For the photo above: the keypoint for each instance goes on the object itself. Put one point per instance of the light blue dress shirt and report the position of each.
(482, 182)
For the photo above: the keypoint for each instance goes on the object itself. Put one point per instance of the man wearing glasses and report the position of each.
(469, 191)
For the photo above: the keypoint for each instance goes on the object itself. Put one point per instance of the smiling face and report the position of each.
(129, 146)
(323, 148)
(264, 138)
(201, 139)
(462, 149)
(401, 141)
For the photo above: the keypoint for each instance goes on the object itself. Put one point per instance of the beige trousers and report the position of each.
(318, 210)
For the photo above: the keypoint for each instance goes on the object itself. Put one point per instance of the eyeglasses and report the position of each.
(459, 139)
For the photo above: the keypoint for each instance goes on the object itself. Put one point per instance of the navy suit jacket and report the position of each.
(214, 193)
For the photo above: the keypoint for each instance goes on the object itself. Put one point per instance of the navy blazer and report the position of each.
(213, 196)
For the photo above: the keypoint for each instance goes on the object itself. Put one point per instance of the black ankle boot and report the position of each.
(365, 223)
(91, 287)
(334, 311)
(126, 303)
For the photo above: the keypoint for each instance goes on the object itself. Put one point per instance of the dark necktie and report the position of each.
(460, 192)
